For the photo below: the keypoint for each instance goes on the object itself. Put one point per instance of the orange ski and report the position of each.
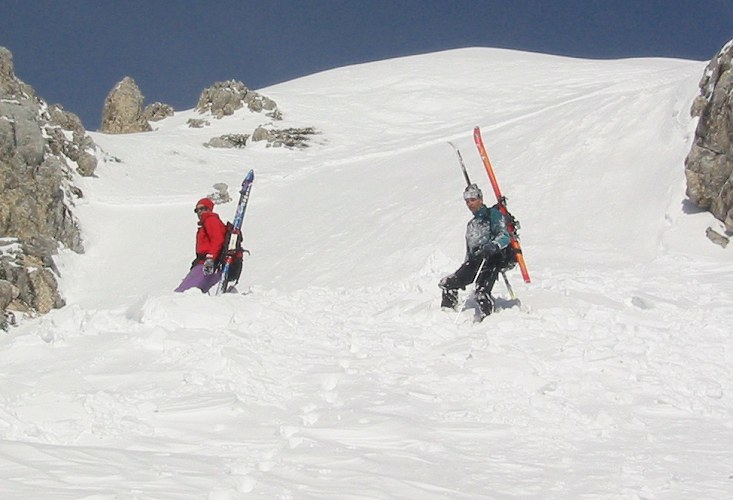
(502, 203)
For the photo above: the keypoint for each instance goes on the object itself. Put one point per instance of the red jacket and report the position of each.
(210, 236)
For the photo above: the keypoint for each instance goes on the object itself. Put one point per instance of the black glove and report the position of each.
(489, 249)
(209, 265)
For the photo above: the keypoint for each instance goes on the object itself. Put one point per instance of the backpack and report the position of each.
(509, 254)
(236, 254)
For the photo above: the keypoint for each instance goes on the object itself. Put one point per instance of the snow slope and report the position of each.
(334, 374)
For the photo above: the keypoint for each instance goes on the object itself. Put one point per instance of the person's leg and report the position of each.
(458, 280)
(210, 281)
(484, 286)
(197, 279)
(485, 302)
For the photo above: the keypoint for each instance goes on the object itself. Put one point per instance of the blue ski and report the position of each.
(234, 235)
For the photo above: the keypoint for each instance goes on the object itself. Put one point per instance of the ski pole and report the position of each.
(475, 279)
(463, 165)
(508, 286)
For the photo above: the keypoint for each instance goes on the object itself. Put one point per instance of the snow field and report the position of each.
(334, 373)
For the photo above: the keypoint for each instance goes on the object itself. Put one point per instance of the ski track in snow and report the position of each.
(334, 373)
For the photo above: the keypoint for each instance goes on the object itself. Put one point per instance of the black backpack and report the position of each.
(509, 255)
(236, 254)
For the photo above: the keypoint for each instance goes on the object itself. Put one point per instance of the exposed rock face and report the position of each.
(709, 166)
(262, 134)
(80, 148)
(123, 109)
(716, 237)
(220, 194)
(291, 138)
(9, 84)
(228, 141)
(42, 148)
(8, 293)
(197, 123)
(157, 111)
(224, 98)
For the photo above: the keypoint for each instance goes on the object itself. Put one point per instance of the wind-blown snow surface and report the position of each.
(335, 374)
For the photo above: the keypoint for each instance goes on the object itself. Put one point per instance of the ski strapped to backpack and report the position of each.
(233, 253)
(512, 224)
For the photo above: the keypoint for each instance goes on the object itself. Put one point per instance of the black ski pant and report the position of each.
(466, 274)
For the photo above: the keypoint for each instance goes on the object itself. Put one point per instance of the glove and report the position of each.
(209, 265)
(489, 249)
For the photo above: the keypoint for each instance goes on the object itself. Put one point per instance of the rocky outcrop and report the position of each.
(9, 84)
(123, 109)
(42, 149)
(157, 111)
(81, 149)
(220, 194)
(716, 237)
(197, 123)
(228, 141)
(709, 165)
(291, 138)
(8, 293)
(224, 98)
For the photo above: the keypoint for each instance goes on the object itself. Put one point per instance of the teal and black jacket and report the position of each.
(486, 233)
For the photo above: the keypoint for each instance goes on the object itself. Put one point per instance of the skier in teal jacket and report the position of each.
(487, 253)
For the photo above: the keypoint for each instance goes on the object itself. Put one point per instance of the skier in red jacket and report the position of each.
(209, 244)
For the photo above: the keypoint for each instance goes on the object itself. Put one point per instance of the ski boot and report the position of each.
(449, 299)
(450, 292)
(485, 303)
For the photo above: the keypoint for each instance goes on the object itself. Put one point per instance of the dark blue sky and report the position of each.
(73, 52)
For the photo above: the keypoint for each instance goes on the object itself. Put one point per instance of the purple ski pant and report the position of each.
(196, 278)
